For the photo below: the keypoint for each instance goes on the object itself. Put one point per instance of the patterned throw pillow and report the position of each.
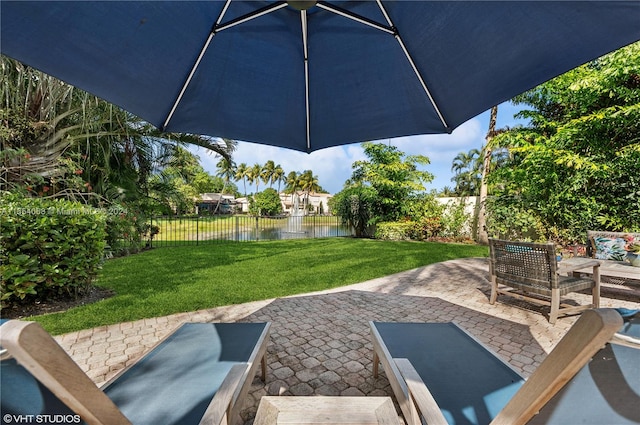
(610, 248)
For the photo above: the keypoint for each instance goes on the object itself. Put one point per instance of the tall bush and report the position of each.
(49, 247)
(128, 229)
(455, 220)
(354, 206)
(265, 203)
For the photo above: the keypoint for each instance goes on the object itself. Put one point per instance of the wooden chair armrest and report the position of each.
(420, 394)
(218, 410)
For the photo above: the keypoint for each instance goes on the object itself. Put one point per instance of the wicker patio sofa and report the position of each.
(529, 271)
(608, 247)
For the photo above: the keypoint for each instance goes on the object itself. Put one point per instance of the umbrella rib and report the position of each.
(413, 64)
(223, 12)
(303, 18)
(217, 28)
(390, 29)
(355, 17)
(249, 16)
(188, 81)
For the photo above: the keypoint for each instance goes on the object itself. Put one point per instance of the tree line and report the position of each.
(270, 173)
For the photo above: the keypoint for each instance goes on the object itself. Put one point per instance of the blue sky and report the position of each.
(333, 165)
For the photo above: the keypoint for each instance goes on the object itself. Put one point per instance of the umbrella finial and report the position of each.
(301, 4)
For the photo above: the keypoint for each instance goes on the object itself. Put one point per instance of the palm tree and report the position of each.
(37, 123)
(292, 182)
(255, 175)
(447, 191)
(226, 169)
(278, 176)
(483, 236)
(467, 167)
(241, 174)
(308, 183)
(267, 172)
(71, 137)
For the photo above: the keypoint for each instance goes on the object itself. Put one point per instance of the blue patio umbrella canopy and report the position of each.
(307, 75)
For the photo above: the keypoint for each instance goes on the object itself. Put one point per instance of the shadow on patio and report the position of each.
(320, 342)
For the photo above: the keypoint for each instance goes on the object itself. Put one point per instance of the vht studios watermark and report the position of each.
(41, 419)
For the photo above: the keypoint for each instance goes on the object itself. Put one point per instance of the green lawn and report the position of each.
(171, 280)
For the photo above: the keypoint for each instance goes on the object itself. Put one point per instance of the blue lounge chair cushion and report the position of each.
(175, 382)
(468, 382)
(27, 396)
(23, 396)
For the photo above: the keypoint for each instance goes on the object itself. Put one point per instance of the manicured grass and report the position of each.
(171, 280)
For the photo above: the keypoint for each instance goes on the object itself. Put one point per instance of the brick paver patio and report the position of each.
(320, 342)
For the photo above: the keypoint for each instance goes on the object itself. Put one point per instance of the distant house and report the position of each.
(242, 205)
(215, 203)
(316, 204)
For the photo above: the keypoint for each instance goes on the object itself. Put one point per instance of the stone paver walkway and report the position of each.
(320, 342)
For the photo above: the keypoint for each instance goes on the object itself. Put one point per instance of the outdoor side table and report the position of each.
(326, 410)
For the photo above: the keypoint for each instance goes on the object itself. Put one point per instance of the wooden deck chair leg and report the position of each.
(589, 334)
(555, 305)
(595, 291)
(41, 355)
(494, 291)
(376, 364)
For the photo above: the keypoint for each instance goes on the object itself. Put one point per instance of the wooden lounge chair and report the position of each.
(440, 374)
(529, 271)
(198, 374)
(606, 389)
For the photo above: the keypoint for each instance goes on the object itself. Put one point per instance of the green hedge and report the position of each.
(409, 230)
(394, 231)
(49, 247)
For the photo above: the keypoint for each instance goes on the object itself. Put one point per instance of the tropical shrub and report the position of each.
(455, 222)
(128, 231)
(394, 230)
(507, 220)
(49, 247)
(395, 177)
(574, 166)
(354, 205)
(425, 228)
(265, 203)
